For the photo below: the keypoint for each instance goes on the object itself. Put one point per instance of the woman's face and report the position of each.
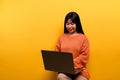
(70, 26)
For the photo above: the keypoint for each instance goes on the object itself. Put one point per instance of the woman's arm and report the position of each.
(82, 59)
(58, 45)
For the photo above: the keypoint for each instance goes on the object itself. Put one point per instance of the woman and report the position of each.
(74, 41)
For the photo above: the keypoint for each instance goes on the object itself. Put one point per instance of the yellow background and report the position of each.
(27, 26)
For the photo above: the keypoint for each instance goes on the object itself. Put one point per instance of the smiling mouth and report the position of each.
(70, 29)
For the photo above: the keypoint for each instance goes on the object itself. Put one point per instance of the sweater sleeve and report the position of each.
(58, 45)
(82, 59)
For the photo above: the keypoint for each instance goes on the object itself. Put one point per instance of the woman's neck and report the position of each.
(73, 34)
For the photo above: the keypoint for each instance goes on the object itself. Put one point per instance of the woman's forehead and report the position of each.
(69, 21)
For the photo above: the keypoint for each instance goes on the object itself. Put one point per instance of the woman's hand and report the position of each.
(77, 71)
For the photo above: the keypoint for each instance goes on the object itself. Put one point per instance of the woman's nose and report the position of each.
(69, 25)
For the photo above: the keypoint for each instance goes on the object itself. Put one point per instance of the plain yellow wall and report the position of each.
(27, 26)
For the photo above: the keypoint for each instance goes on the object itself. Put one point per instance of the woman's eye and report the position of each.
(67, 23)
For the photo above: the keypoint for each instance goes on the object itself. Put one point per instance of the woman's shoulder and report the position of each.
(83, 36)
(80, 35)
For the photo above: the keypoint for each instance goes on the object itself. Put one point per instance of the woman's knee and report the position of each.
(62, 76)
(81, 78)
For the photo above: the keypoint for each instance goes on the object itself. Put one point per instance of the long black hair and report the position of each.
(75, 19)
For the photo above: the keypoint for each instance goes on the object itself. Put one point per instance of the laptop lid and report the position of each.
(58, 61)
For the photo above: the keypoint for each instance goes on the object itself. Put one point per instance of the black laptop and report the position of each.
(58, 61)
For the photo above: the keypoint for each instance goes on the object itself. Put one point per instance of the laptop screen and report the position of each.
(58, 61)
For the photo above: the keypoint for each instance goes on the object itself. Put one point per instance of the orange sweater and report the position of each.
(78, 45)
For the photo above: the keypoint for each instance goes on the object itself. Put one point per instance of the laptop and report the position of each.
(58, 61)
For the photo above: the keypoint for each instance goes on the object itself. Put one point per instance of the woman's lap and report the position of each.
(63, 76)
